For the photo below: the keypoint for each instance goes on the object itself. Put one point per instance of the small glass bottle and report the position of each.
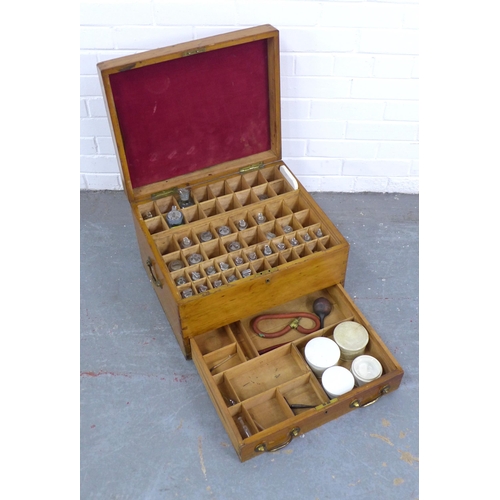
(242, 224)
(205, 236)
(243, 427)
(174, 218)
(224, 230)
(233, 246)
(195, 258)
(267, 250)
(210, 270)
(175, 265)
(260, 218)
(186, 242)
(252, 256)
(185, 199)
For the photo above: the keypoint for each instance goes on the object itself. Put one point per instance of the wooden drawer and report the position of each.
(254, 392)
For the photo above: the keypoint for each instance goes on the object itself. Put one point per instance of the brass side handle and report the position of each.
(154, 279)
(293, 433)
(357, 404)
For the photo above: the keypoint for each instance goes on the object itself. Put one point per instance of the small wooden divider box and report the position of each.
(226, 232)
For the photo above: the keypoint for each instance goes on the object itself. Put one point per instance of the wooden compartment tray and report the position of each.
(240, 273)
(256, 383)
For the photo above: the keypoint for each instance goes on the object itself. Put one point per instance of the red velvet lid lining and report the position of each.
(186, 114)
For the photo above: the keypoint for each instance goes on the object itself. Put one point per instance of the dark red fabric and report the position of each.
(186, 114)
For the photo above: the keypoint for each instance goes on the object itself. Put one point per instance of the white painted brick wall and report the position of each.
(349, 82)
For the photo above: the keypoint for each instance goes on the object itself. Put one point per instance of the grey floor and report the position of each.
(148, 428)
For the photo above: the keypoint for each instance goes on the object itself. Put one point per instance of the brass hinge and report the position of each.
(326, 403)
(251, 168)
(166, 192)
(194, 51)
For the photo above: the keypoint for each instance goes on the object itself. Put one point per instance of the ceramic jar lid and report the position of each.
(352, 338)
(320, 354)
(365, 369)
(337, 380)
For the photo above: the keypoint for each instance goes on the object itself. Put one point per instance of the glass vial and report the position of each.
(174, 218)
(185, 199)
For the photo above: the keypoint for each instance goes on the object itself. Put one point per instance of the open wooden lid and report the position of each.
(211, 104)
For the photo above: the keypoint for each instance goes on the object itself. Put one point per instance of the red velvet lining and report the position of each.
(186, 114)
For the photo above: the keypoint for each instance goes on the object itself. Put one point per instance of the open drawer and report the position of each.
(263, 389)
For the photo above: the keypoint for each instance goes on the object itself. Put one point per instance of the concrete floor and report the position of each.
(148, 428)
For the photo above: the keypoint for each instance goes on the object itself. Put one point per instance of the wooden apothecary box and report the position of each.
(205, 116)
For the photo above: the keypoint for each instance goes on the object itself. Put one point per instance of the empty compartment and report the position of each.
(327, 242)
(201, 194)
(228, 203)
(253, 179)
(280, 186)
(165, 243)
(245, 197)
(156, 225)
(235, 183)
(214, 340)
(193, 213)
(267, 372)
(212, 249)
(268, 409)
(252, 236)
(218, 189)
(275, 210)
(209, 208)
(269, 174)
(295, 203)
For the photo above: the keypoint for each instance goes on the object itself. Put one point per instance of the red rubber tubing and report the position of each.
(287, 328)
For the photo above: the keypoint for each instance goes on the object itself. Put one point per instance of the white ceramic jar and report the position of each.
(320, 354)
(352, 338)
(337, 380)
(365, 369)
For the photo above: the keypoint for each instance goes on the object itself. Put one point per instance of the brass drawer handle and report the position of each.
(357, 404)
(293, 433)
(153, 277)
